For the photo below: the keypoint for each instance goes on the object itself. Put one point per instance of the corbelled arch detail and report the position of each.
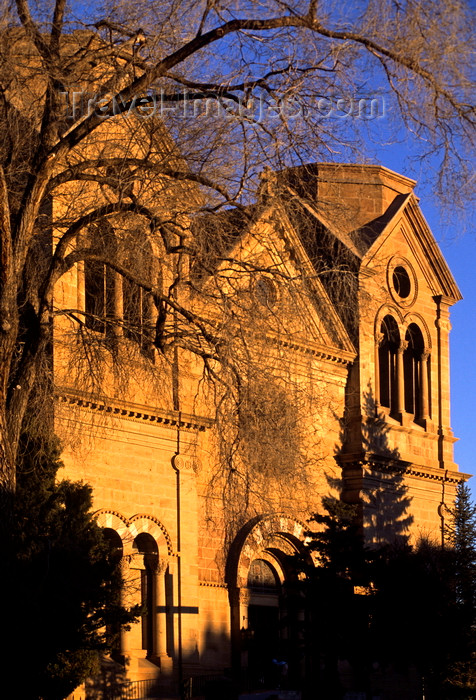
(141, 522)
(129, 528)
(419, 321)
(388, 310)
(115, 521)
(269, 533)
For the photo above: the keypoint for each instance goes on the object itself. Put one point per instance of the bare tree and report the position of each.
(92, 183)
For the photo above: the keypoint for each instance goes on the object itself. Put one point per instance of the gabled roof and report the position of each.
(326, 190)
(237, 235)
(423, 244)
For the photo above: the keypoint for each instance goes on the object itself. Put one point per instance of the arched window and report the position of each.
(137, 302)
(99, 279)
(415, 371)
(114, 303)
(145, 545)
(387, 362)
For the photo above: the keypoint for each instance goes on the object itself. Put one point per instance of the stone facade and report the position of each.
(373, 353)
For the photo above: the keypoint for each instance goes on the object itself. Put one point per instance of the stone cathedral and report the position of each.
(367, 359)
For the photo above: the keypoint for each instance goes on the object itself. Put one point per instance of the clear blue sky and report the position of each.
(459, 248)
(460, 253)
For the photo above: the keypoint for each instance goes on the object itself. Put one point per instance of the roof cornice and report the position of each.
(131, 411)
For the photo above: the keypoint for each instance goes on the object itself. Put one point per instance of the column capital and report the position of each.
(402, 347)
(245, 596)
(379, 338)
(443, 324)
(162, 565)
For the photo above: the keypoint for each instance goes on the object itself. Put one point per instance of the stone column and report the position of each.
(424, 396)
(378, 340)
(244, 601)
(160, 618)
(400, 380)
(124, 636)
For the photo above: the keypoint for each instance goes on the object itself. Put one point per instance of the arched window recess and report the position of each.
(403, 372)
(100, 280)
(145, 559)
(416, 368)
(115, 305)
(388, 345)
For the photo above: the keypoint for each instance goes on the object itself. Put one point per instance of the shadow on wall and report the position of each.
(376, 478)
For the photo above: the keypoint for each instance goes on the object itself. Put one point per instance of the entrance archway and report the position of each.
(264, 622)
(266, 634)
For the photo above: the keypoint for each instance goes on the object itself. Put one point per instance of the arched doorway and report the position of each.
(265, 612)
(266, 620)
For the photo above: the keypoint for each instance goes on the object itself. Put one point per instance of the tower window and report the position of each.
(414, 365)
(387, 362)
(137, 302)
(114, 303)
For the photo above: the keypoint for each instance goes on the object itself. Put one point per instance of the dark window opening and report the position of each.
(401, 282)
(113, 303)
(412, 368)
(115, 552)
(100, 279)
(387, 360)
(136, 305)
(137, 302)
(145, 544)
(99, 282)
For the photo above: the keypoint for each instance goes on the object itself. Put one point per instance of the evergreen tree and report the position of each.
(61, 581)
(462, 537)
(336, 614)
(399, 612)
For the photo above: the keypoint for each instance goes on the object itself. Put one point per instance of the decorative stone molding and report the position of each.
(388, 310)
(133, 412)
(352, 468)
(399, 262)
(334, 355)
(148, 523)
(185, 463)
(443, 324)
(129, 528)
(280, 530)
(162, 565)
(245, 596)
(419, 321)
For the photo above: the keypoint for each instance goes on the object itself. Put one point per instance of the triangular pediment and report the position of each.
(269, 244)
(407, 219)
